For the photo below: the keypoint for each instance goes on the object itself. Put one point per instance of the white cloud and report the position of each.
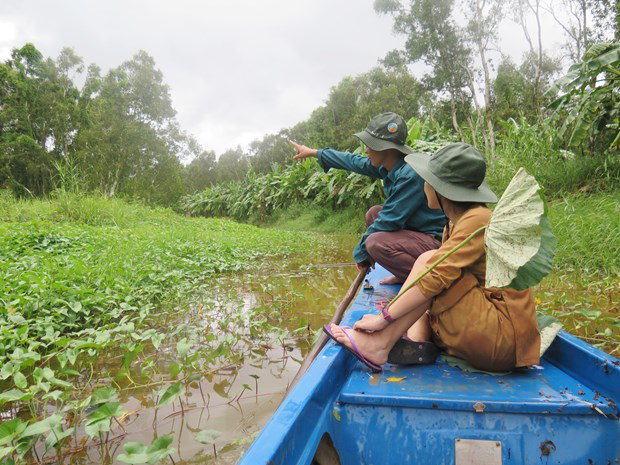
(237, 69)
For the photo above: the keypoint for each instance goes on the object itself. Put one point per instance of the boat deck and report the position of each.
(563, 411)
(539, 389)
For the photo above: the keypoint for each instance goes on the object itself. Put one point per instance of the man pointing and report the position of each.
(403, 227)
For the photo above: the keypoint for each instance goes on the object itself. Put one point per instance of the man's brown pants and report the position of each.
(397, 251)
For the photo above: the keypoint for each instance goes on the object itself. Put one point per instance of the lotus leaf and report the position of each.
(518, 240)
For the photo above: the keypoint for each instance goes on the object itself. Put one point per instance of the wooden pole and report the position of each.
(323, 337)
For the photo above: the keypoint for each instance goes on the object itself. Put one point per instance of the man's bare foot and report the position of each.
(371, 346)
(390, 280)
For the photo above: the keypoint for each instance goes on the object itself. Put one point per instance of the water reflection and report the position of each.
(256, 328)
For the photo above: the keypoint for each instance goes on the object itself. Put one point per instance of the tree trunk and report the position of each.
(489, 138)
(487, 104)
(539, 65)
(535, 9)
(488, 148)
(479, 116)
(455, 123)
(617, 20)
(584, 29)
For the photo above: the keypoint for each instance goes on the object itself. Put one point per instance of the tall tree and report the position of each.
(434, 38)
(272, 148)
(201, 171)
(513, 90)
(483, 19)
(355, 100)
(38, 117)
(131, 127)
(536, 53)
(232, 165)
(584, 22)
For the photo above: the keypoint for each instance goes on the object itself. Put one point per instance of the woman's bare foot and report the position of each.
(390, 280)
(372, 346)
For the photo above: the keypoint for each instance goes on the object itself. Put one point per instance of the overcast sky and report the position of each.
(237, 69)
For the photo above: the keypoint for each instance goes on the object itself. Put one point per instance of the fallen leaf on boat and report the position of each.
(391, 379)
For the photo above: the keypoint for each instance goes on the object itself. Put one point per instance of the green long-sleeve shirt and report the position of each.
(405, 205)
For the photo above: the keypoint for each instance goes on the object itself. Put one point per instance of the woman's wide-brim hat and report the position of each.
(455, 171)
(386, 131)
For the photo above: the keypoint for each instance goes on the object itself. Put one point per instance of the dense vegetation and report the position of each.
(259, 197)
(83, 277)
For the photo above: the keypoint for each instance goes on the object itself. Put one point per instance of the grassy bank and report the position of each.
(587, 227)
(104, 257)
(90, 282)
(306, 216)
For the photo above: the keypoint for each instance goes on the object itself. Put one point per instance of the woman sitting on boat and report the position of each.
(492, 329)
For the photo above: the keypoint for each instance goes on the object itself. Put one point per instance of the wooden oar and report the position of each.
(335, 319)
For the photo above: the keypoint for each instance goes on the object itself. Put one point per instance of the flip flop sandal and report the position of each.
(408, 352)
(353, 350)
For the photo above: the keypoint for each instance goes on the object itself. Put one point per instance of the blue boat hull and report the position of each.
(561, 412)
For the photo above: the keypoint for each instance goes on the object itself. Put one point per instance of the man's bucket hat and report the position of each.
(455, 171)
(386, 131)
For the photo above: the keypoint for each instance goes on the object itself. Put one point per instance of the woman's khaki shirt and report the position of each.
(493, 329)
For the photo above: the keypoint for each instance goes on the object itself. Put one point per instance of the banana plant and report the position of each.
(589, 97)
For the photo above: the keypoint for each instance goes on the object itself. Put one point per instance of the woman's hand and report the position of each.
(302, 152)
(371, 323)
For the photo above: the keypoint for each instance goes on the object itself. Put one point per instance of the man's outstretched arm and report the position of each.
(329, 158)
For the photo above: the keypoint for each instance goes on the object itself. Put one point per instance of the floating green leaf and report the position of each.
(14, 395)
(103, 395)
(183, 347)
(207, 436)
(43, 426)
(11, 429)
(55, 437)
(136, 452)
(4, 451)
(99, 420)
(172, 393)
(20, 380)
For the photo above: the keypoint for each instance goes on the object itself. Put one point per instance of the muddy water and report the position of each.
(242, 390)
(239, 395)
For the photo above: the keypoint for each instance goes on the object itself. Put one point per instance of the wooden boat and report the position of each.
(563, 411)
